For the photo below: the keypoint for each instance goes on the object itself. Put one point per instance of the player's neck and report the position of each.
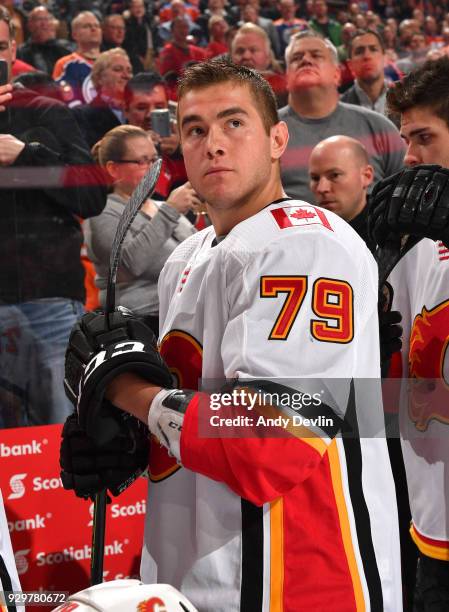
(226, 218)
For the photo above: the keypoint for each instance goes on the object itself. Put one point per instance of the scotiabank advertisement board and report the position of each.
(51, 528)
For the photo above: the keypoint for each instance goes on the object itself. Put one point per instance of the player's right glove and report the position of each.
(96, 354)
(390, 332)
(88, 468)
(413, 202)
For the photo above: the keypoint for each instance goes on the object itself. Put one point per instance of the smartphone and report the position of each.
(3, 72)
(160, 121)
(172, 109)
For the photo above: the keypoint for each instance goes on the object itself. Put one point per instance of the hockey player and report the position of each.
(248, 520)
(416, 202)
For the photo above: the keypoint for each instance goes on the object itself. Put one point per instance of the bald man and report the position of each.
(339, 176)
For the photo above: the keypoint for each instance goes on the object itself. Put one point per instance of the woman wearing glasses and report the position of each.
(126, 153)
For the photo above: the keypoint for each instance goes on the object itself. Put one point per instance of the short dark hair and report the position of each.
(142, 82)
(217, 71)
(426, 86)
(6, 17)
(361, 32)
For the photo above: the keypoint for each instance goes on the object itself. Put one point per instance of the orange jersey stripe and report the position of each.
(277, 555)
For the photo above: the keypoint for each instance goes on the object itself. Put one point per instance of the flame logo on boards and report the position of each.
(429, 359)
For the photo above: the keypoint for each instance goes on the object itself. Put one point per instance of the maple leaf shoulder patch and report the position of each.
(304, 215)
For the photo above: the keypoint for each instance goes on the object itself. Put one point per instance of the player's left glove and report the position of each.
(96, 354)
(88, 468)
(413, 202)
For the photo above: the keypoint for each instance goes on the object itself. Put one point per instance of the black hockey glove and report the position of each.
(390, 333)
(88, 468)
(412, 202)
(97, 354)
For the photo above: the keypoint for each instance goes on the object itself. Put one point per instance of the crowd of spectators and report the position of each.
(65, 38)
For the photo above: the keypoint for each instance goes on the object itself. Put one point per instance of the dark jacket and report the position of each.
(94, 120)
(44, 56)
(52, 182)
(136, 39)
(360, 225)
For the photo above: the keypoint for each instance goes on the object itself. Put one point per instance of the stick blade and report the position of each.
(143, 190)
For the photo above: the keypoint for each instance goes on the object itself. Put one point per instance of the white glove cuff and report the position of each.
(166, 423)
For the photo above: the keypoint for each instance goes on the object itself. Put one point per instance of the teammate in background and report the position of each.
(252, 522)
(420, 282)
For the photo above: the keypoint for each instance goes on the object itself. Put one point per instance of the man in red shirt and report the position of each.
(176, 54)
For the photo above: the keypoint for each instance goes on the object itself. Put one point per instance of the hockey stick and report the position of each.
(143, 191)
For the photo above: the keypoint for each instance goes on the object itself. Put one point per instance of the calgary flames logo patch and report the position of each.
(429, 366)
(155, 604)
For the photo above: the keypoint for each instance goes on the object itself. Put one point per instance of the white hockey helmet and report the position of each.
(124, 595)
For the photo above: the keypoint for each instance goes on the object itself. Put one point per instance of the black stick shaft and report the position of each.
(98, 538)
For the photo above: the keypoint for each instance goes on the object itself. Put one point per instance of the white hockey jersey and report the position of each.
(279, 524)
(421, 293)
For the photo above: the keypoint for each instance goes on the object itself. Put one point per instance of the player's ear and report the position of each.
(279, 139)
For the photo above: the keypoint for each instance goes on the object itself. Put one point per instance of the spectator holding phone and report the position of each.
(126, 153)
(144, 94)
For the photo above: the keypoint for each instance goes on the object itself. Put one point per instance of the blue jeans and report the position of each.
(33, 340)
